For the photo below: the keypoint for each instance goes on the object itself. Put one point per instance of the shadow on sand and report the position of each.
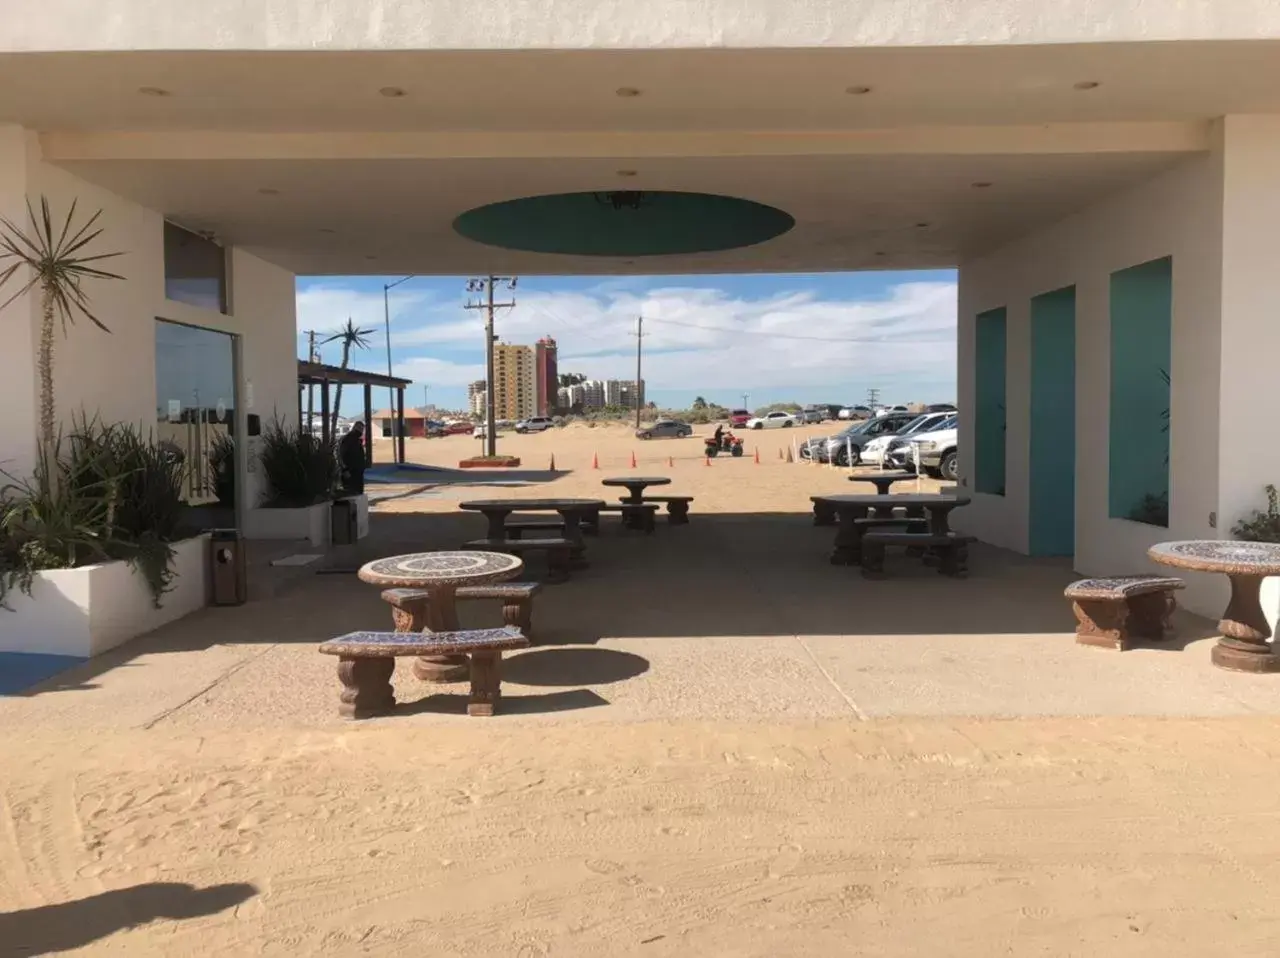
(49, 929)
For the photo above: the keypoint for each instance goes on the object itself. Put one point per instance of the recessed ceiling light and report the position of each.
(1087, 85)
(153, 91)
(370, 256)
(268, 191)
(327, 229)
(980, 185)
(922, 226)
(857, 90)
(392, 91)
(626, 91)
(626, 172)
(880, 252)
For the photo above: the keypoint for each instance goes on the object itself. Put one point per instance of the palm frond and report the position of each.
(351, 335)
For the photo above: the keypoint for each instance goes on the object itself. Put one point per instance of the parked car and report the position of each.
(433, 429)
(458, 428)
(738, 418)
(534, 424)
(940, 407)
(773, 420)
(876, 452)
(813, 414)
(855, 412)
(665, 429)
(937, 451)
(845, 447)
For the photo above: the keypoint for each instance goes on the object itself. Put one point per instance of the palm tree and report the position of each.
(58, 268)
(350, 335)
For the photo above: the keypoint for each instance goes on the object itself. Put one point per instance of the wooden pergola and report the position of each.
(319, 374)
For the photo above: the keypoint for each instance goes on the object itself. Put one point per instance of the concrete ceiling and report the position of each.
(300, 158)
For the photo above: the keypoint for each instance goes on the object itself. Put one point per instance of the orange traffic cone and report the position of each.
(552, 467)
(757, 457)
(633, 459)
(789, 456)
(779, 452)
(671, 462)
(595, 460)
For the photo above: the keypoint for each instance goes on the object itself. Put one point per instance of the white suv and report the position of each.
(534, 424)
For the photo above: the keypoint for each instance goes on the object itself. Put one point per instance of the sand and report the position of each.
(200, 797)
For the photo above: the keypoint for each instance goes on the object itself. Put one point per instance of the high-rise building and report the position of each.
(627, 394)
(564, 398)
(514, 387)
(593, 394)
(475, 397)
(546, 376)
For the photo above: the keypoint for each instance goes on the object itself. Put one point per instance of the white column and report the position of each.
(18, 387)
(1248, 454)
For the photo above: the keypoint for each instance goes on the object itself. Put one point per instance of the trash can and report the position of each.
(344, 522)
(230, 573)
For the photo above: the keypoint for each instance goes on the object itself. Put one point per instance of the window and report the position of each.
(195, 269)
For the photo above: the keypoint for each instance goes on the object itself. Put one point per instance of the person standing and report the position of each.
(351, 460)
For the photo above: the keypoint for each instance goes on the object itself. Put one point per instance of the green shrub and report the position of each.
(300, 468)
(1261, 526)
(222, 461)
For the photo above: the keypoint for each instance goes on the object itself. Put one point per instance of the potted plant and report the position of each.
(300, 470)
(91, 552)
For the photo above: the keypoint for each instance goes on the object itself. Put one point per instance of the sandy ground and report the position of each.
(722, 746)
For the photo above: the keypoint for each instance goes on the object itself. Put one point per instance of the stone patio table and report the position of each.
(636, 485)
(572, 511)
(847, 547)
(440, 575)
(883, 480)
(1243, 646)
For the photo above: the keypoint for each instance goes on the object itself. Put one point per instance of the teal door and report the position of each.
(1052, 524)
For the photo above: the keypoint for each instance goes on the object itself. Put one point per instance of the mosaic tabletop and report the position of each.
(1219, 555)
(1106, 587)
(441, 568)
(637, 481)
(531, 505)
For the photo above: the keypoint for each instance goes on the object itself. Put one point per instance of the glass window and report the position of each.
(195, 269)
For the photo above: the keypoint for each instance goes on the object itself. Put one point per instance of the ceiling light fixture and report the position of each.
(922, 226)
(268, 191)
(153, 91)
(981, 185)
(621, 199)
(1086, 85)
(370, 256)
(626, 172)
(327, 229)
(626, 92)
(857, 90)
(392, 91)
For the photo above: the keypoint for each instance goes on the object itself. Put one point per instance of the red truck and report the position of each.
(738, 418)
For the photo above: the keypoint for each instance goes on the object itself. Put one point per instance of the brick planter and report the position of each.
(483, 462)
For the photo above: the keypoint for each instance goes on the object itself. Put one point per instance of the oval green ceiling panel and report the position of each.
(623, 223)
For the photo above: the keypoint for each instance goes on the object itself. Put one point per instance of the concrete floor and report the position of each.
(739, 618)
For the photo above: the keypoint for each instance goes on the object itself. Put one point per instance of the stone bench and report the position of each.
(367, 660)
(409, 606)
(517, 526)
(951, 550)
(558, 552)
(1112, 611)
(677, 508)
(635, 515)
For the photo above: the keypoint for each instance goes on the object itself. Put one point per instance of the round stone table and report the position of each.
(440, 575)
(572, 511)
(1243, 646)
(636, 485)
(884, 480)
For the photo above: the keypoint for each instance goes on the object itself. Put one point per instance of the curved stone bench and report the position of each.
(367, 660)
(1113, 610)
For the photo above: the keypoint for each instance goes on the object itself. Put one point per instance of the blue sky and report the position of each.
(777, 337)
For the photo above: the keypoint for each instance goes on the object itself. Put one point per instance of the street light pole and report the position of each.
(386, 323)
(484, 284)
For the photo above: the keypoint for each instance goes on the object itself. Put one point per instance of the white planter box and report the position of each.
(312, 523)
(83, 612)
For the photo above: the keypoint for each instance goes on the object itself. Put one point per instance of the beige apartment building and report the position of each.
(514, 385)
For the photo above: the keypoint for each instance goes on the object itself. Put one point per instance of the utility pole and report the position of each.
(386, 325)
(311, 388)
(425, 404)
(873, 398)
(484, 284)
(745, 397)
(639, 343)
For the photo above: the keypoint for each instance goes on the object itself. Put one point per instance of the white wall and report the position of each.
(18, 319)
(1175, 214)
(112, 374)
(53, 25)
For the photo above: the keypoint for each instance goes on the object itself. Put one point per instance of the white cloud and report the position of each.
(705, 338)
(325, 308)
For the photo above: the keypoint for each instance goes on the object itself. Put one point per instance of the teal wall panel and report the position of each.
(989, 414)
(1141, 346)
(1052, 499)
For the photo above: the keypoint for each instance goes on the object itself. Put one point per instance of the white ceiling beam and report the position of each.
(1044, 139)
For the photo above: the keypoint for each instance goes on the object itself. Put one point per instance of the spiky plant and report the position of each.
(54, 253)
(351, 336)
